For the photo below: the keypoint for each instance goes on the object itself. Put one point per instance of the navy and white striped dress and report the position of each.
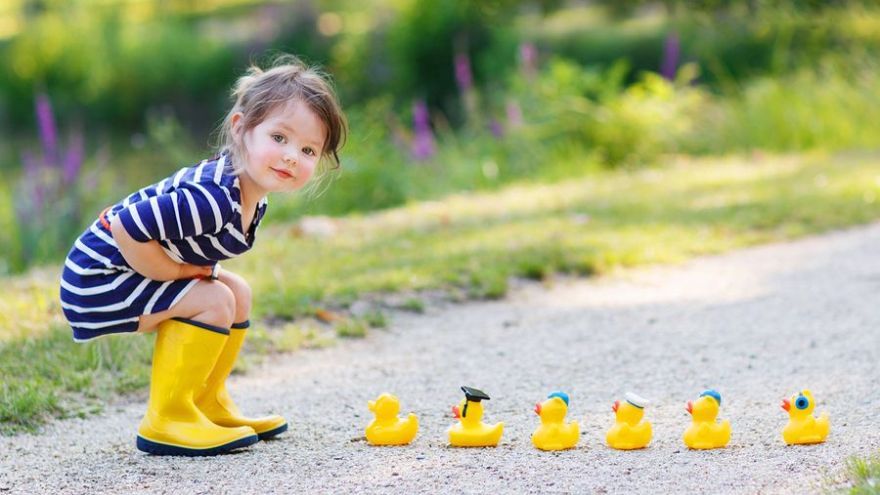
(195, 214)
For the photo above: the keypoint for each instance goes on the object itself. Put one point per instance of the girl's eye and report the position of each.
(278, 138)
(309, 151)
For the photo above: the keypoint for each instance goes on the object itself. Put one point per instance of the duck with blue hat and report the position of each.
(554, 433)
(705, 432)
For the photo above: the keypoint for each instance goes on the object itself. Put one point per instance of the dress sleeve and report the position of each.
(190, 210)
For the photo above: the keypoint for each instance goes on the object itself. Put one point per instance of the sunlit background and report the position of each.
(100, 97)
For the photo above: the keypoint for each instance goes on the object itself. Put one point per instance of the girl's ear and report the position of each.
(236, 124)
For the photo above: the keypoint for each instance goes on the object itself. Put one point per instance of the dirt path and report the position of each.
(757, 325)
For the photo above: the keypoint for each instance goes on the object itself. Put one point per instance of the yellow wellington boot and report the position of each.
(185, 353)
(215, 402)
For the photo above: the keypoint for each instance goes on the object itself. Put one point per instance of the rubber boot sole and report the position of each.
(156, 448)
(273, 432)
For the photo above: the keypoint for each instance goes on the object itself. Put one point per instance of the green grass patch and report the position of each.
(376, 319)
(352, 328)
(590, 225)
(49, 374)
(467, 244)
(863, 476)
(413, 304)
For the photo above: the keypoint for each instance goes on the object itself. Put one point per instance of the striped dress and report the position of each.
(195, 215)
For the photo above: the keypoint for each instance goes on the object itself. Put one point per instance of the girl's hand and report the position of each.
(193, 271)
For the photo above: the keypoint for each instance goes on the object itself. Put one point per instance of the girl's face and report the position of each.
(281, 152)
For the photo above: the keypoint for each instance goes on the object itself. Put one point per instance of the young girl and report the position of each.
(150, 262)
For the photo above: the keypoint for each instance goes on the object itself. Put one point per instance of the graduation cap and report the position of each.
(472, 394)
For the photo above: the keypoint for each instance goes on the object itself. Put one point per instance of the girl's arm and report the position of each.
(149, 259)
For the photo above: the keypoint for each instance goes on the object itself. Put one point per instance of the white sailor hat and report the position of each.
(636, 400)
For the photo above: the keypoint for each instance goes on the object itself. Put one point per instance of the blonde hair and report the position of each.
(259, 92)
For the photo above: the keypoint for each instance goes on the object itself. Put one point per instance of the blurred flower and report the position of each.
(528, 59)
(74, 157)
(514, 114)
(671, 52)
(46, 123)
(463, 74)
(423, 141)
(31, 185)
(48, 197)
(495, 128)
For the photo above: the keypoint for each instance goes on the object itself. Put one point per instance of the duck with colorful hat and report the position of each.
(553, 433)
(803, 428)
(630, 431)
(470, 431)
(705, 432)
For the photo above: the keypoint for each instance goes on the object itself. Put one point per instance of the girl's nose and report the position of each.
(291, 158)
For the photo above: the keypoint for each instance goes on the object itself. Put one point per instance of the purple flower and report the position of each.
(514, 114)
(423, 140)
(671, 52)
(46, 122)
(528, 59)
(31, 185)
(463, 72)
(495, 128)
(74, 157)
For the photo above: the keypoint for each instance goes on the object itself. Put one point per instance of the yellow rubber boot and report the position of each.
(184, 355)
(215, 402)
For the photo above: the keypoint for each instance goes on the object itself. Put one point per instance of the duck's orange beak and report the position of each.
(786, 404)
(538, 408)
(690, 408)
(615, 406)
(456, 413)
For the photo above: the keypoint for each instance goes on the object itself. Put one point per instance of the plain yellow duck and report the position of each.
(629, 431)
(387, 428)
(553, 433)
(705, 432)
(470, 431)
(803, 428)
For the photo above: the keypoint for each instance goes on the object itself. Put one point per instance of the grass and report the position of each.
(863, 476)
(469, 245)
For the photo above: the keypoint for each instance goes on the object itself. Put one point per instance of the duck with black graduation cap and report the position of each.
(470, 431)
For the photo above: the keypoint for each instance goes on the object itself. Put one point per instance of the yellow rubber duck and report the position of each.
(470, 431)
(705, 432)
(803, 428)
(629, 431)
(553, 433)
(387, 428)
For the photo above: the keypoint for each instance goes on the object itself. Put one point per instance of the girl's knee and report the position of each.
(217, 304)
(242, 293)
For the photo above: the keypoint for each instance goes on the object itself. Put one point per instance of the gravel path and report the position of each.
(757, 324)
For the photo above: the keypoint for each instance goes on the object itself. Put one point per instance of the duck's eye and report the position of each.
(801, 402)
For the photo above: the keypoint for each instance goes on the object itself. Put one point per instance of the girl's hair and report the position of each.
(259, 92)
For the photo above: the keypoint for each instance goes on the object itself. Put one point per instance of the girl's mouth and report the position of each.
(283, 174)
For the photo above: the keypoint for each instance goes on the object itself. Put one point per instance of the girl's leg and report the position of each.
(186, 351)
(241, 292)
(213, 399)
(208, 302)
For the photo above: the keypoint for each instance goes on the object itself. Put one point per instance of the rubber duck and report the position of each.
(553, 433)
(387, 428)
(803, 428)
(470, 431)
(705, 432)
(629, 431)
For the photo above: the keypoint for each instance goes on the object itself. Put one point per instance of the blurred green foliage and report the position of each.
(147, 81)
